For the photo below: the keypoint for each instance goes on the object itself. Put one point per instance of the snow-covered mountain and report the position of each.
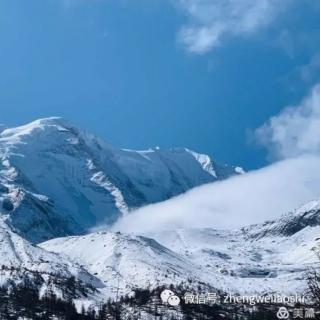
(57, 180)
(267, 258)
(244, 261)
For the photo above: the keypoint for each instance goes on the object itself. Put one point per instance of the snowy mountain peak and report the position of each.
(40, 124)
(83, 182)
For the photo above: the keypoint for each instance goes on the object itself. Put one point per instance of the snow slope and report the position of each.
(245, 261)
(23, 263)
(58, 180)
(270, 257)
(124, 262)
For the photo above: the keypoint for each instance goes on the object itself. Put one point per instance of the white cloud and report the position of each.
(211, 20)
(250, 198)
(296, 130)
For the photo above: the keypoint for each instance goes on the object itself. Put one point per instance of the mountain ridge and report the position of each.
(68, 180)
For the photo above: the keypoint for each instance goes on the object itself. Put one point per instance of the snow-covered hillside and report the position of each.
(245, 261)
(57, 180)
(271, 257)
(23, 263)
(125, 262)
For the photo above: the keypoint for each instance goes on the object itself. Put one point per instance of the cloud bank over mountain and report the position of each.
(251, 198)
(293, 138)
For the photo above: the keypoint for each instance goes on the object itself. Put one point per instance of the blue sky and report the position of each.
(203, 74)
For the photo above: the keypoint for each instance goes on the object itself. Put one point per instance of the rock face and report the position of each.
(57, 180)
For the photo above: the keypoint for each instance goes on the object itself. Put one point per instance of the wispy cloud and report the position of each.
(296, 130)
(212, 20)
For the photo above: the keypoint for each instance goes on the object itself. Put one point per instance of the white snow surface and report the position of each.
(270, 258)
(20, 260)
(124, 262)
